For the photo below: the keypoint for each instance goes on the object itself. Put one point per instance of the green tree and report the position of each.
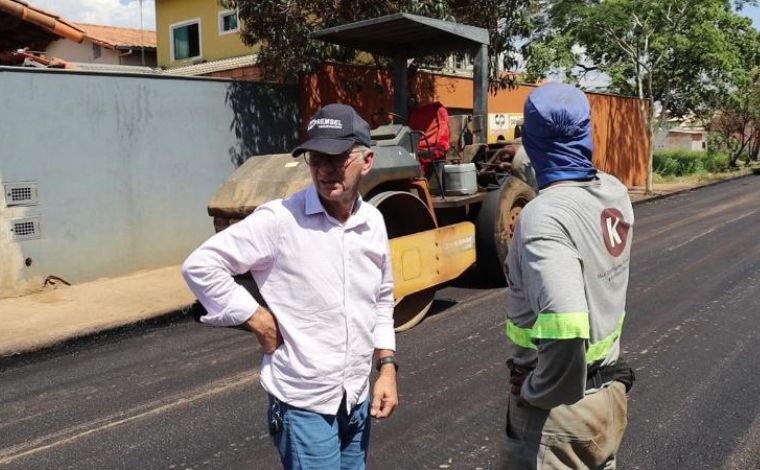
(738, 122)
(682, 57)
(281, 29)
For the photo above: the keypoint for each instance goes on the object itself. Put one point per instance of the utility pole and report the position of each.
(142, 39)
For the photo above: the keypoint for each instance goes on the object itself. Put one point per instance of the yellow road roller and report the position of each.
(441, 219)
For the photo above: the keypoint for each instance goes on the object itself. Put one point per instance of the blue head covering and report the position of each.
(557, 134)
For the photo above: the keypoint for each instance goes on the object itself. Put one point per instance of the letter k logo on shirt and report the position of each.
(614, 231)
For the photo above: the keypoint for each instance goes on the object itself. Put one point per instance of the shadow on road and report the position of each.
(440, 305)
(473, 278)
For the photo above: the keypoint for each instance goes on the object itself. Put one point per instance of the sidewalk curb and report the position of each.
(686, 190)
(43, 350)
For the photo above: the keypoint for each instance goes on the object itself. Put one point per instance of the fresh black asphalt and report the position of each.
(177, 395)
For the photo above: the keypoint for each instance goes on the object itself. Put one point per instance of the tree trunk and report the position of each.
(754, 147)
(652, 126)
(647, 115)
(650, 163)
(738, 153)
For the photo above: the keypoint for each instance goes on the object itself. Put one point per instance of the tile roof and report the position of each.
(48, 13)
(109, 68)
(48, 20)
(119, 37)
(213, 66)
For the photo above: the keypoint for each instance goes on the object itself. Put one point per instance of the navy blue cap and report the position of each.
(334, 130)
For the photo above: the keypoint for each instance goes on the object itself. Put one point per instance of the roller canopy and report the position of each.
(412, 35)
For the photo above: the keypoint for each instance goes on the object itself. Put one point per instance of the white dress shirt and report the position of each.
(329, 285)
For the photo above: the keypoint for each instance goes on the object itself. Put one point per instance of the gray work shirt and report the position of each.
(567, 272)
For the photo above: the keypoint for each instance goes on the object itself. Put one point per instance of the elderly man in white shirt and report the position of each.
(321, 260)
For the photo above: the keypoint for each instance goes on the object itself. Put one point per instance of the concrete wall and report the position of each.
(125, 165)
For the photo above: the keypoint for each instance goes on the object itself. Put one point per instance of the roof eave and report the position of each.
(43, 19)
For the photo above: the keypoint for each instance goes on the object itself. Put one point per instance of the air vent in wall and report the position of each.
(27, 228)
(20, 194)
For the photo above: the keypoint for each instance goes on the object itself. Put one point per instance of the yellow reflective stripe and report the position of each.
(519, 335)
(599, 350)
(561, 326)
(549, 326)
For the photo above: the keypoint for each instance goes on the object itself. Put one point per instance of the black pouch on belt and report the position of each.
(619, 371)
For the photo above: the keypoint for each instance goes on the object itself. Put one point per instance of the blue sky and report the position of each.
(754, 13)
(127, 12)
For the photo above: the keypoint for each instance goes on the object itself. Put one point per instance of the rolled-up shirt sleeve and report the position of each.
(249, 245)
(384, 335)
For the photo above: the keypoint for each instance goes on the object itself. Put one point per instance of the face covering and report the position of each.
(557, 134)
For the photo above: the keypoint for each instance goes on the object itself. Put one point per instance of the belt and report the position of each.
(620, 371)
(600, 376)
(596, 375)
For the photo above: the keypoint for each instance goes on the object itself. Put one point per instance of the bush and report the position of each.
(716, 162)
(677, 162)
(687, 162)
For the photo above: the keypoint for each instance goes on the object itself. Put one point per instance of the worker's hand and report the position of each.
(384, 393)
(264, 325)
(516, 379)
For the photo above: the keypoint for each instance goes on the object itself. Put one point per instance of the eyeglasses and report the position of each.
(338, 162)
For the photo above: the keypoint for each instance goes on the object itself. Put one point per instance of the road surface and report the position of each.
(178, 395)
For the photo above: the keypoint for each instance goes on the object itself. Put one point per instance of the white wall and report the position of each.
(83, 53)
(71, 51)
(673, 139)
(125, 165)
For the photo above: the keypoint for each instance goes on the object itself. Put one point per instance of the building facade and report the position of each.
(107, 45)
(191, 32)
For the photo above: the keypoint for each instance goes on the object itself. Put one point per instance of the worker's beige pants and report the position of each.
(586, 434)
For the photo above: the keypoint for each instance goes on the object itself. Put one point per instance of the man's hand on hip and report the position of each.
(384, 393)
(264, 325)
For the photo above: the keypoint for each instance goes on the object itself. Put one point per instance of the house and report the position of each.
(31, 36)
(195, 32)
(107, 45)
(23, 26)
(681, 139)
(687, 133)
(200, 37)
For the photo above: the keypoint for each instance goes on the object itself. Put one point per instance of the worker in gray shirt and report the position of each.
(567, 273)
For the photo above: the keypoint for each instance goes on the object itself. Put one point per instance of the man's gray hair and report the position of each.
(363, 148)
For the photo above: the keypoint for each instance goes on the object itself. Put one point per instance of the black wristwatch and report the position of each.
(386, 360)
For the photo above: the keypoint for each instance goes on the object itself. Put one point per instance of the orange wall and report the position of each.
(621, 145)
(367, 89)
(620, 137)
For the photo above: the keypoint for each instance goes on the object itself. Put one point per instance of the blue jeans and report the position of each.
(309, 440)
